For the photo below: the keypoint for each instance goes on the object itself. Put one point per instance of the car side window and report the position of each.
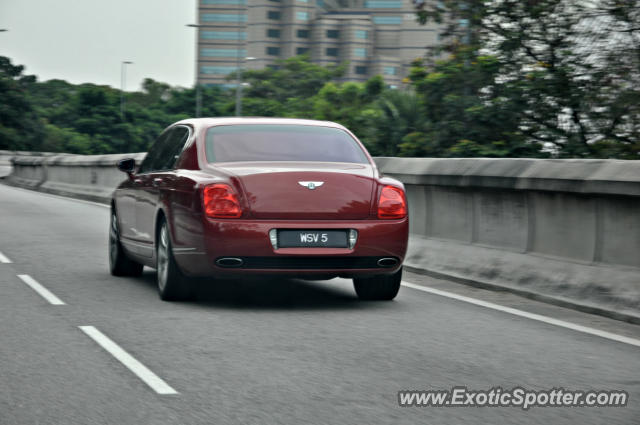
(171, 149)
(164, 153)
(154, 151)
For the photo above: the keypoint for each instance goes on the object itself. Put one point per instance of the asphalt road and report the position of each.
(265, 351)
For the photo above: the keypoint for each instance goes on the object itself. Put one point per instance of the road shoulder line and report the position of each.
(525, 314)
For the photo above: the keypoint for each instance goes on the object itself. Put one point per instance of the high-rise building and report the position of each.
(373, 36)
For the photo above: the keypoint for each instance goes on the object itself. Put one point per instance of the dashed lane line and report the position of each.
(156, 383)
(41, 290)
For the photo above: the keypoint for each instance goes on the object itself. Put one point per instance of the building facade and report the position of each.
(373, 36)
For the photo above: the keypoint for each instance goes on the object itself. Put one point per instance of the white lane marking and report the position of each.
(4, 259)
(41, 290)
(532, 316)
(141, 371)
(67, 198)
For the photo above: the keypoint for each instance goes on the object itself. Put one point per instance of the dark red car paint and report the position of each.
(270, 197)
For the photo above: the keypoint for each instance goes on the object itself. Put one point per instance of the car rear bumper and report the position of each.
(247, 244)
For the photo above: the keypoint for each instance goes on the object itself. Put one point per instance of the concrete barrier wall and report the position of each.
(562, 229)
(6, 156)
(92, 177)
(581, 210)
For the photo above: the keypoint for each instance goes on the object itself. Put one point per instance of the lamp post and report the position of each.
(239, 88)
(197, 83)
(123, 77)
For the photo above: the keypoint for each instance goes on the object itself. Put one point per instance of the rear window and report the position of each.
(275, 142)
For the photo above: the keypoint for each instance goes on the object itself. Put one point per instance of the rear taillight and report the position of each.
(221, 201)
(392, 203)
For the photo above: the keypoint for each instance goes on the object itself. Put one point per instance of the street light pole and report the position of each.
(197, 82)
(238, 73)
(239, 88)
(123, 77)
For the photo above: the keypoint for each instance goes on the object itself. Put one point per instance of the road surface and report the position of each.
(78, 346)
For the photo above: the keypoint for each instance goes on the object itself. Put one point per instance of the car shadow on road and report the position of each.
(271, 293)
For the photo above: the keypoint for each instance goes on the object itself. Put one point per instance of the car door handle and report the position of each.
(157, 181)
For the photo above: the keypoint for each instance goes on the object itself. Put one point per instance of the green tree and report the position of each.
(286, 88)
(20, 128)
(559, 65)
(350, 104)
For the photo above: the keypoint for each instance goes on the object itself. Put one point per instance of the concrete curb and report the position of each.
(66, 193)
(612, 290)
(559, 301)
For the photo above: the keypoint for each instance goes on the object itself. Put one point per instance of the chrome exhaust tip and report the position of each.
(387, 262)
(229, 262)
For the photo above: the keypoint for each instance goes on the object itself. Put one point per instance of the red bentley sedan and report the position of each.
(224, 197)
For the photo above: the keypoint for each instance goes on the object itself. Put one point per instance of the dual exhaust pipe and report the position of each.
(387, 262)
(234, 262)
(229, 262)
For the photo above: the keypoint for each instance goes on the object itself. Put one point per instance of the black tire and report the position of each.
(172, 284)
(119, 263)
(378, 288)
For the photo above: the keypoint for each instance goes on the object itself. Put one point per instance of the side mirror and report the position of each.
(127, 165)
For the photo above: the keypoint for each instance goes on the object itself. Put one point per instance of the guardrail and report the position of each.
(561, 230)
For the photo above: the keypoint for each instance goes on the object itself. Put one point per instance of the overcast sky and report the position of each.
(86, 40)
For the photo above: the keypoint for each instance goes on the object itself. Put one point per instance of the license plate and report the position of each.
(312, 238)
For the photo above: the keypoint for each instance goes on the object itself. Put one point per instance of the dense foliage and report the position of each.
(561, 74)
(511, 78)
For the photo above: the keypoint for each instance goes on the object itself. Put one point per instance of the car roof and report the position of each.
(208, 122)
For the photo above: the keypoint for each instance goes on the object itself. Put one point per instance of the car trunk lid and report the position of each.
(306, 191)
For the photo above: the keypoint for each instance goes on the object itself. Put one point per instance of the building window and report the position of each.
(301, 50)
(223, 35)
(273, 14)
(333, 33)
(273, 33)
(387, 20)
(383, 4)
(223, 17)
(222, 53)
(360, 52)
(224, 2)
(361, 34)
(302, 16)
(331, 51)
(303, 33)
(273, 51)
(217, 69)
(389, 70)
(361, 70)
